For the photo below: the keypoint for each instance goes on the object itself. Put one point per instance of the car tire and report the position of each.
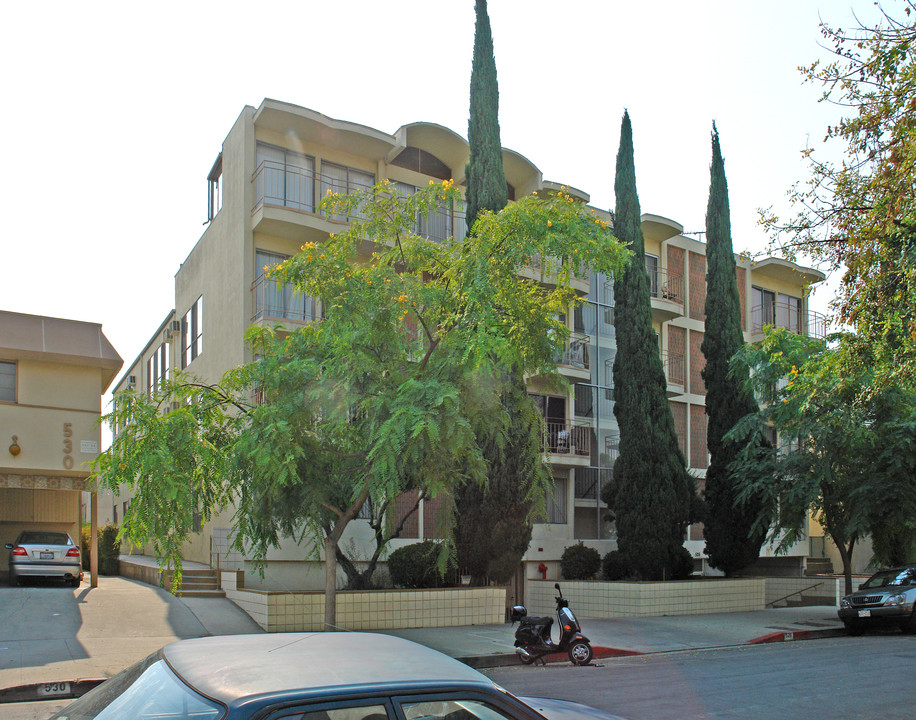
(853, 628)
(909, 625)
(580, 653)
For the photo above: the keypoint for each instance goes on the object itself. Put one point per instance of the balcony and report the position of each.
(675, 365)
(590, 480)
(574, 360)
(666, 290)
(544, 269)
(274, 302)
(790, 317)
(568, 440)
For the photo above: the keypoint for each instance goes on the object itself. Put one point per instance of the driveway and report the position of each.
(50, 632)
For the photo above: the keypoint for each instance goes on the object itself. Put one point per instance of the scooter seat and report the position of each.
(536, 621)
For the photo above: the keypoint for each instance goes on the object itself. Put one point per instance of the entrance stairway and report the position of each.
(196, 583)
(818, 566)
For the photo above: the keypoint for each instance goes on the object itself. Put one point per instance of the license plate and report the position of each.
(53, 689)
(46, 556)
(864, 613)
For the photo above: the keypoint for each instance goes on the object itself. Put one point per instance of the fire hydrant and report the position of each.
(542, 568)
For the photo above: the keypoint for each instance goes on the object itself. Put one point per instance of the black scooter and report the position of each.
(532, 638)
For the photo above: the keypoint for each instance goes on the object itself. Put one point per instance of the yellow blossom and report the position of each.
(550, 223)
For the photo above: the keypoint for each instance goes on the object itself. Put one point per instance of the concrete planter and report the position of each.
(647, 599)
(371, 609)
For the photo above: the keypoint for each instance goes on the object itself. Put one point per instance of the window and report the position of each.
(763, 308)
(157, 368)
(652, 270)
(271, 299)
(788, 313)
(441, 224)
(192, 333)
(556, 502)
(451, 709)
(285, 178)
(340, 179)
(215, 188)
(7, 382)
(360, 712)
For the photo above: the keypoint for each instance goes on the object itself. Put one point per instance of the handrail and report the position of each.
(797, 592)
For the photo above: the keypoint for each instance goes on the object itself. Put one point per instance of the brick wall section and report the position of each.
(742, 295)
(402, 505)
(677, 347)
(432, 509)
(697, 280)
(698, 437)
(697, 362)
(679, 413)
(676, 260)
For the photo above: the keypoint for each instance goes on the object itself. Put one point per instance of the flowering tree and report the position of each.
(368, 402)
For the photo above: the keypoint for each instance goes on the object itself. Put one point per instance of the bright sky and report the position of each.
(115, 111)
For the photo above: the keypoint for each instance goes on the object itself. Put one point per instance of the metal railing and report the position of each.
(567, 438)
(281, 301)
(666, 285)
(575, 354)
(675, 365)
(590, 480)
(789, 317)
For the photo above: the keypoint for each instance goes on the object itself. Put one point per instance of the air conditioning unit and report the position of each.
(174, 328)
(131, 381)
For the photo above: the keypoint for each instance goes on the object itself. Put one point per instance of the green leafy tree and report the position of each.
(486, 181)
(859, 215)
(847, 443)
(367, 402)
(652, 493)
(730, 543)
(493, 521)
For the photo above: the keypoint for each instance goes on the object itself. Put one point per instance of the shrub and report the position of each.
(681, 563)
(579, 562)
(109, 549)
(417, 566)
(616, 566)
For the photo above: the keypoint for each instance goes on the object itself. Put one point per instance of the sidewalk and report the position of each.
(51, 634)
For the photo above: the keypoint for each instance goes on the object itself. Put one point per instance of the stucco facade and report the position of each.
(54, 374)
(276, 163)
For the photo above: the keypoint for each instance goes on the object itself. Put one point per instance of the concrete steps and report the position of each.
(197, 583)
(819, 566)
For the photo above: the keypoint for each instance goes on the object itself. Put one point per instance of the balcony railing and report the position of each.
(666, 285)
(675, 367)
(549, 264)
(789, 317)
(575, 354)
(590, 480)
(272, 300)
(566, 438)
(276, 183)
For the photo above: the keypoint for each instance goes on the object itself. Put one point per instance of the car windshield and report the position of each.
(146, 690)
(907, 576)
(43, 537)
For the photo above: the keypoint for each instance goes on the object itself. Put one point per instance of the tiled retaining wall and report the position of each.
(373, 609)
(647, 599)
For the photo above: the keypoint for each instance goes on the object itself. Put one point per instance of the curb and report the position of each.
(793, 635)
(599, 652)
(58, 690)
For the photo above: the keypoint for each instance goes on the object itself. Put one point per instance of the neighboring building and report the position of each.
(53, 373)
(275, 165)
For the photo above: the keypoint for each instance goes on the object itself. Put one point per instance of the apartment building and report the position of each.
(276, 163)
(53, 373)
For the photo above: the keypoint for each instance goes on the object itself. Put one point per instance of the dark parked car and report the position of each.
(886, 598)
(309, 676)
(45, 553)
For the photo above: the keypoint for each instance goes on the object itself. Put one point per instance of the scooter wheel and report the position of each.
(580, 653)
(527, 660)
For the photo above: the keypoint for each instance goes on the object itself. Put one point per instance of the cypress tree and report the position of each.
(486, 181)
(653, 491)
(730, 544)
(493, 523)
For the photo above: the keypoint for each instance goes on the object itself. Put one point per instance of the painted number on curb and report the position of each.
(54, 689)
(788, 636)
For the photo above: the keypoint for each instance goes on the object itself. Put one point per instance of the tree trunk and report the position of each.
(846, 557)
(330, 582)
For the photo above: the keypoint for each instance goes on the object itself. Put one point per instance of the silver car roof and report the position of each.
(231, 667)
